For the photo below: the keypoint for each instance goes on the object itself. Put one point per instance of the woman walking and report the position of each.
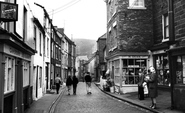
(88, 81)
(152, 86)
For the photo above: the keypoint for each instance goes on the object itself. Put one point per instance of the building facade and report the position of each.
(129, 35)
(168, 49)
(16, 57)
(101, 65)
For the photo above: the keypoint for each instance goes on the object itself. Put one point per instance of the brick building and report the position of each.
(101, 65)
(129, 34)
(168, 50)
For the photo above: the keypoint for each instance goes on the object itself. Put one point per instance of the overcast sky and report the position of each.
(80, 18)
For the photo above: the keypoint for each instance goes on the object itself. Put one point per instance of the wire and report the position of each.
(64, 7)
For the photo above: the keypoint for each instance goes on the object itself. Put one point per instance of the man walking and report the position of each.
(69, 82)
(88, 80)
(57, 82)
(75, 82)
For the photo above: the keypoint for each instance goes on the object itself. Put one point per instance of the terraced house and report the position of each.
(30, 54)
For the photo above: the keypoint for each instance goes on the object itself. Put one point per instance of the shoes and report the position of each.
(151, 105)
(89, 93)
(154, 106)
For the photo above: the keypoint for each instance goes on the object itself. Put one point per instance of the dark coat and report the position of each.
(75, 80)
(88, 78)
(141, 79)
(69, 81)
(152, 85)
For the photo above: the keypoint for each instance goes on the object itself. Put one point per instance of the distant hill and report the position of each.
(85, 46)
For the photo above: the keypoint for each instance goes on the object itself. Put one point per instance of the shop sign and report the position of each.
(14, 52)
(134, 57)
(8, 11)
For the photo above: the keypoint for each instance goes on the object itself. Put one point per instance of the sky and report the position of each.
(85, 19)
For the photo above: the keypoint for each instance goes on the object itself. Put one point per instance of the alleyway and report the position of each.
(98, 102)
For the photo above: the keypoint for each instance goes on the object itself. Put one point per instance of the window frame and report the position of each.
(131, 6)
(165, 26)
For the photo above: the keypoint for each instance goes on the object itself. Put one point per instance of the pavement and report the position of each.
(47, 102)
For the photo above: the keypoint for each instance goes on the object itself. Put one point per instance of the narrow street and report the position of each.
(97, 102)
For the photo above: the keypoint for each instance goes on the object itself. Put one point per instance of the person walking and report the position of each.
(88, 81)
(152, 86)
(140, 84)
(75, 82)
(69, 82)
(57, 82)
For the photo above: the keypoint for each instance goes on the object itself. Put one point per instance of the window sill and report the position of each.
(165, 40)
(136, 7)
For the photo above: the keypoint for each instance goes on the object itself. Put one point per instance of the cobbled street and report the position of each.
(97, 102)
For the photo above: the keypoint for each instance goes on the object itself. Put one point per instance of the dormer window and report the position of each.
(165, 27)
(136, 4)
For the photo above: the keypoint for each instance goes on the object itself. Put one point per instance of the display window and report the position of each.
(162, 69)
(131, 68)
(180, 69)
(9, 79)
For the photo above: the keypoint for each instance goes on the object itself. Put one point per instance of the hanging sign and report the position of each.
(8, 12)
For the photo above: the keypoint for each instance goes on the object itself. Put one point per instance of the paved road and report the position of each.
(97, 102)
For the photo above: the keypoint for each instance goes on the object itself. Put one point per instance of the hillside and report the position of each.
(84, 46)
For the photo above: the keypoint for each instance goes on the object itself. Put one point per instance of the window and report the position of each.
(165, 27)
(9, 80)
(40, 43)
(25, 24)
(180, 69)
(162, 69)
(131, 68)
(47, 47)
(35, 37)
(136, 4)
(25, 73)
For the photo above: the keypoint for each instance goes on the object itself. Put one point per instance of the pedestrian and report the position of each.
(75, 82)
(140, 84)
(57, 83)
(88, 81)
(152, 86)
(69, 82)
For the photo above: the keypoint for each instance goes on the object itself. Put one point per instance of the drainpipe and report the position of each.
(171, 42)
(171, 21)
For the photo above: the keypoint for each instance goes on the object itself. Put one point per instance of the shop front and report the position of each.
(177, 67)
(161, 64)
(124, 71)
(15, 74)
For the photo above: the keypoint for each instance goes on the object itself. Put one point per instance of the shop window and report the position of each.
(9, 80)
(162, 69)
(180, 70)
(132, 66)
(136, 4)
(25, 73)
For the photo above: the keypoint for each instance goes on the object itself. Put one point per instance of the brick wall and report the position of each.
(135, 28)
(101, 45)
